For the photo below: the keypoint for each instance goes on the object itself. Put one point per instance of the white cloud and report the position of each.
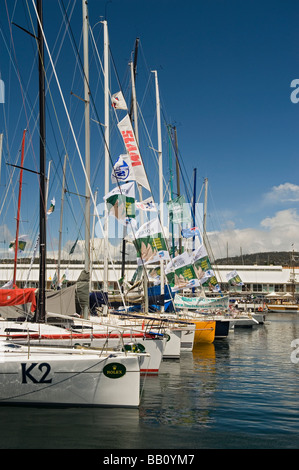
(276, 233)
(286, 192)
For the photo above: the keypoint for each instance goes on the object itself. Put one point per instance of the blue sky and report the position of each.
(225, 70)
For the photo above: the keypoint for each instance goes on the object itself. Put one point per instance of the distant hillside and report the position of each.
(281, 258)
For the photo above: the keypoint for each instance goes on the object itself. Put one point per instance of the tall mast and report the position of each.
(194, 202)
(42, 150)
(107, 146)
(19, 208)
(87, 141)
(1, 146)
(158, 106)
(177, 178)
(61, 216)
(205, 213)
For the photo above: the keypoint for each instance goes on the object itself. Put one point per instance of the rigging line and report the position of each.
(72, 129)
(161, 224)
(55, 112)
(83, 74)
(19, 78)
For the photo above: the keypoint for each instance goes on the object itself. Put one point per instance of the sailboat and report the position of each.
(53, 375)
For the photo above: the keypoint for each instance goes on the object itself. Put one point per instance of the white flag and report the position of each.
(126, 130)
(147, 205)
(122, 170)
(118, 101)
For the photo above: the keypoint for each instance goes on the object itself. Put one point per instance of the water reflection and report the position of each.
(182, 392)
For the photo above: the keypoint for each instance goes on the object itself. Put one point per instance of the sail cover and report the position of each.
(10, 297)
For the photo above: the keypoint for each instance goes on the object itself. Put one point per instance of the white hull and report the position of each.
(33, 376)
(96, 337)
(187, 337)
(172, 349)
(173, 345)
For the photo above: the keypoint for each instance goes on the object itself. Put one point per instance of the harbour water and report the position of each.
(238, 393)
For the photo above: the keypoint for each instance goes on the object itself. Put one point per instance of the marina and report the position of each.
(236, 393)
(118, 328)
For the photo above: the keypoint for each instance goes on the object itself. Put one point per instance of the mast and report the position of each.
(177, 166)
(194, 202)
(205, 212)
(1, 146)
(107, 146)
(42, 150)
(19, 208)
(169, 127)
(87, 141)
(160, 160)
(61, 216)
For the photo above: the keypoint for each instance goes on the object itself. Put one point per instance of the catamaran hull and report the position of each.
(44, 378)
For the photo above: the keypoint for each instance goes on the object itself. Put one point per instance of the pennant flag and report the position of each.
(121, 203)
(147, 205)
(122, 170)
(65, 278)
(54, 281)
(118, 101)
(126, 130)
(190, 232)
(52, 207)
(73, 247)
(178, 210)
(150, 243)
(234, 279)
(22, 242)
(180, 272)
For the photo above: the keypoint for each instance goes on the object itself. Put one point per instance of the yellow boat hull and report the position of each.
(204, 330)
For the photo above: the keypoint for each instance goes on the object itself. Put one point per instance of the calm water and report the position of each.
(241, 392)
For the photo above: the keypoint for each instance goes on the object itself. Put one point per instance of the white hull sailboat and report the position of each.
(90, 335)
(39, 376)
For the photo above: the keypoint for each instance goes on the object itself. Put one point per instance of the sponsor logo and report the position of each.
(114, 370)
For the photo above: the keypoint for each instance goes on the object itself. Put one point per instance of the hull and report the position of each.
(173, 345)
(222, 329)
(204, 331)
(95, 337)
(187, 338)
(49, 376)
(283, 308)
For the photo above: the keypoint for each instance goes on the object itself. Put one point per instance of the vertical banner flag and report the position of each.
(121, 202)
(126, 130)
(204, 269)
(118, 101)
(234, 279)
(22, 242)
(178, 210)
(52, 207)
(147, 205)
(150, 243)
(190, 232)
(180, 272)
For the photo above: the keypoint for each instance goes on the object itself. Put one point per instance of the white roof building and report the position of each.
(256, 279)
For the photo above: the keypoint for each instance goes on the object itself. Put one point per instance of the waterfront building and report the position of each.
(257, 280)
